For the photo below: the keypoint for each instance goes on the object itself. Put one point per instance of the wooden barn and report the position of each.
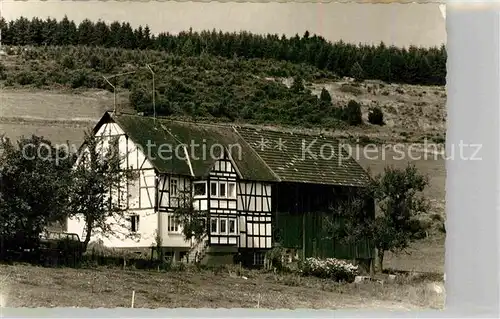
(260, 187)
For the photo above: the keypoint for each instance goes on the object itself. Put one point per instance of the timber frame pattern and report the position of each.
(238, 191)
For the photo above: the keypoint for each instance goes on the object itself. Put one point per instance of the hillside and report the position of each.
(208, 88)
(412, 65)
(300, 83)
(54, 83)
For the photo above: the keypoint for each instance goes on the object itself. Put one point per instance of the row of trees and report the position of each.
(388, 63)
(38, 187)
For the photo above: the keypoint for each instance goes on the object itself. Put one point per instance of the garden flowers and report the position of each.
(336, 269)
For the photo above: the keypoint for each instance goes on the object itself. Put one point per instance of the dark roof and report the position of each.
(203, 143)
(260, 155)
(305, 158)
(154, 142)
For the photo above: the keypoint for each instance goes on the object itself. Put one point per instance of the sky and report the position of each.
(397, 24)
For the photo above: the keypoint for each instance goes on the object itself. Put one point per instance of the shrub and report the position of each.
(352, 113)
(297, 85)
(78, 79)
(325, 97)
(375, 116)
(25, 78)
(3, 72)
(68, 62)
(350, 88)
(332, 268)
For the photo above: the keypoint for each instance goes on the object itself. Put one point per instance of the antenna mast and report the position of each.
(114, 94)
(154, 93)
(114, 87)
(1, 11)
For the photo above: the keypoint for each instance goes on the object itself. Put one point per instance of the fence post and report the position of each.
(303, 235)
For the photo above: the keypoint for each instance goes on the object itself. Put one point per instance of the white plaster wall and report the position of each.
(256, 204)
(145, 236)
(142, 205)
(170, 239)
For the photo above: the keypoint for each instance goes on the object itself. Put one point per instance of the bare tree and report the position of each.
(99, 183)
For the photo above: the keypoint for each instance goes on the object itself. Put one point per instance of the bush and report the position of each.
(3, 72)
(375, 116)
(351, 88)
(352, 113)
(25, 78)
(68, 62)
(332, 268)
(78, 79)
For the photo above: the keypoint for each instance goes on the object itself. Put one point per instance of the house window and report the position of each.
(223, 226)
(173, 224)
(232, 226)
(134, 223)
(173, 187)
(258, 258)
(213, 189)
(231, 190)
(213, 225)
(200, 189)
(222, 190)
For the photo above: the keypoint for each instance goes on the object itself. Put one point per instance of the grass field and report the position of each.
(28, 286)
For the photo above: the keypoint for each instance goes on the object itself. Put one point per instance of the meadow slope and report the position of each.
(28, 286)
(413, 114)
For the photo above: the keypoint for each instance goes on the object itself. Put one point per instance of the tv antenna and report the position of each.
(113, 86)
(1, 19)
(154, 93)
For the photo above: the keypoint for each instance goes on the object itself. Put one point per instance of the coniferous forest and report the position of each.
(209, 74)
(426, 66)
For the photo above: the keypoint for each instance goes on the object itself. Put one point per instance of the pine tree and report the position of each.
(325, 99)
(139, 38)
(102, 34)
(115, 34)
(85, 32)
(352, 113)
(298, 85)
(357, 72)
(65, 32)
(147, 37)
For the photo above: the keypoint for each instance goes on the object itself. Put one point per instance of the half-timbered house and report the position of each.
(257, 186)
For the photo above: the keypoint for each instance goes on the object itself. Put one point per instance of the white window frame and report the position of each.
(258, 255)
(176, 194)
(172, 220)
(219, 189)
(233, 220)
(216, 225)
(206, 190)
(225, 226)
(216, 189)
(134, 219)
(233, 195)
